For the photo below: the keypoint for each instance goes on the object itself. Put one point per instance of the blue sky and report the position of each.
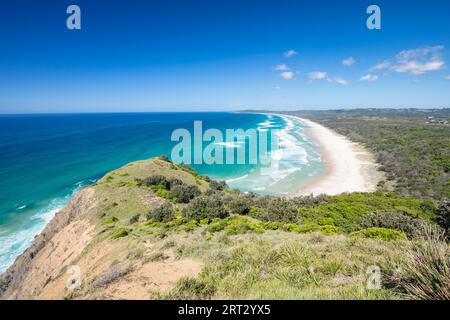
(222, 55)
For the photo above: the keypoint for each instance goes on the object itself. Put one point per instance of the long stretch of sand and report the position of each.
(348, 166)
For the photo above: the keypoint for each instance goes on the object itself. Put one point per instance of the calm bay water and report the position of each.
(44, 159)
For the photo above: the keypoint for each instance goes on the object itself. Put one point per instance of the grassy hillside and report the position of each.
(153, 230)
(257, 247)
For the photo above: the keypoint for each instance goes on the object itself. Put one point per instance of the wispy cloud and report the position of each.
(447, 78)
(348, 61)
(338, 80)
(417, 68)
(381, 66)
(317, 75)
(369, 77)
(414, 61)
(287, 75)
(281, 67)
(290, 53)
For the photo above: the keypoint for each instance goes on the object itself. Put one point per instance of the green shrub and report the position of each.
(412, 227)
(190, 226)
(175, 182)
(240, 225)
(134, 218)
(313, 227)
(157, 180)
(205, 221)
(443, 215)
(290, 227)
(277, 209)
(120, 233)
(184, 193)
(205, 207)
(161, 191)
(240, 204)
(328, 230)
(109, 220)
(178, 221)
(151, 223)
(325, 221)
(257, 213)
(380, 233)
(206, 178)
(273, 225)
(346, 210)
(217, 185)
(217, 226)
(163, 213)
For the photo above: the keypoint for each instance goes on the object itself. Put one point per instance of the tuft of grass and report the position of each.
(157, 256)
(285, 266)
(192, 289)
(380, 233)
(426, 273)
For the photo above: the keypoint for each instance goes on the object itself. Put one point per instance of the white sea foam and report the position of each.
(236, 145)
(239, 178)
(13, 243)
(290, 162)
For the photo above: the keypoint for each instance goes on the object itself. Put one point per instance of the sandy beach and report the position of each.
(349, 166)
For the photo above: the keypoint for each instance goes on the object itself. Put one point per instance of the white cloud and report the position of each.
(447, 78)
(412, 54)
(415, 61)
(287, 75)
(381, 66)
(317, 75)
(416, 68)
(369, 77)
(290, 53)
(348, 62)
(281, 67)
(338, 81)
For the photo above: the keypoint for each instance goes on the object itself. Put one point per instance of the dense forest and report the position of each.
(412, 145)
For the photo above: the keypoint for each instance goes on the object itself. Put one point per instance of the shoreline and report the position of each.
(349, 167)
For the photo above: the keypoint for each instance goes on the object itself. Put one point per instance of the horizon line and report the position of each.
(223, 111)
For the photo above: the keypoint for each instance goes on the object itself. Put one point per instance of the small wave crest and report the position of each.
(16, 239)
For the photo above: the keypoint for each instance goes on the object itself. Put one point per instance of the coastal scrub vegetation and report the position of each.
(286, 257)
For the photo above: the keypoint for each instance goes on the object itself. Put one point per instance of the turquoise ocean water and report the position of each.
(45, 159)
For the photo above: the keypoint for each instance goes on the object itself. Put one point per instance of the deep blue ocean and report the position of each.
(45, 159)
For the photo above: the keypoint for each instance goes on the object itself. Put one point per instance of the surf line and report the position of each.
(191, 150)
